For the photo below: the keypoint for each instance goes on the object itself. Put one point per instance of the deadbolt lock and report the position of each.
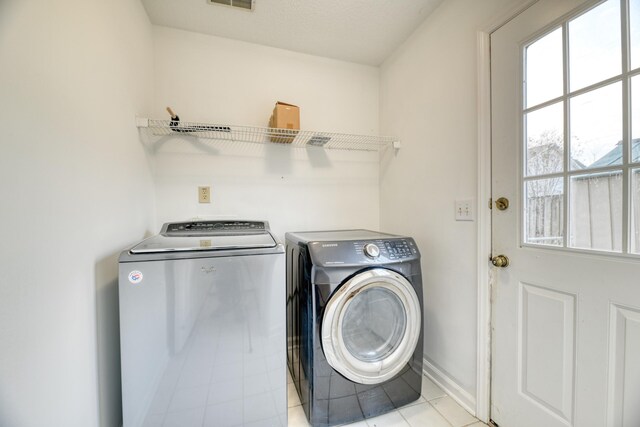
(500, 261)
(502, 204)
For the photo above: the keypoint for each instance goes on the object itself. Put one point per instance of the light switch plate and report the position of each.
(464, 210)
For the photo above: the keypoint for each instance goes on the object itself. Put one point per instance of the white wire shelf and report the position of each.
(260, 135)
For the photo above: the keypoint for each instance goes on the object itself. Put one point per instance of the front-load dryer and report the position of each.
(354, 323)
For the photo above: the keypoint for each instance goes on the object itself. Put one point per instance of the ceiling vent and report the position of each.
(241, 4)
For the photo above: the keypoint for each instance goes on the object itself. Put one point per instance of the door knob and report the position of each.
(500, 261)
(502, 204)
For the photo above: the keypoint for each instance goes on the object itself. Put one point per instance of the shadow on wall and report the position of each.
(154, 146)
(318, 157)
(108, 336)
(277, 159)
(278, 156)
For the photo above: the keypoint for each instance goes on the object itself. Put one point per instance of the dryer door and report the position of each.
(371, 326)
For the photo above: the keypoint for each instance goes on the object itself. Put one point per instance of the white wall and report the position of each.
(216, 80)
(74, 189)
(428, 99)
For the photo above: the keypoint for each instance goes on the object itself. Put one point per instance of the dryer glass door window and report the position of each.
(371, 326)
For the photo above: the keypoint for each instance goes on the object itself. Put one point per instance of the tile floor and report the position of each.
(433, 409)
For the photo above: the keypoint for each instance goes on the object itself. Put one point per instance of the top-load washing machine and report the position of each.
(354, 323)
(202, 327)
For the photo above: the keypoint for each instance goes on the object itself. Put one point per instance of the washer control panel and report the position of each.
(197, 227)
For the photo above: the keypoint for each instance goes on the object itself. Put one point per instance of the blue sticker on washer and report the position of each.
(135, 277)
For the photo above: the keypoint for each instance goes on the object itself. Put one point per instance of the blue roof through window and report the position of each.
(614, 157)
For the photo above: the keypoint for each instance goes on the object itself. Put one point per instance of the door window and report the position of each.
(581, 131)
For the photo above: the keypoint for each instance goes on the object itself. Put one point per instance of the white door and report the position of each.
(566, 155)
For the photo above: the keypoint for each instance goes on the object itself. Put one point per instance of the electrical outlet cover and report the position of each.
(204, 194)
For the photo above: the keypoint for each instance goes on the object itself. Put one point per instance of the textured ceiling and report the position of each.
(363, 31)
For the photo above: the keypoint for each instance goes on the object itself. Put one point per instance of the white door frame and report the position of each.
(485, 279)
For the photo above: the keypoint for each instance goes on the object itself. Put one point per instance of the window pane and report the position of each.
(545, 140)
(544, 212)
(594, 45)
(596, 128)
(595, 218)
(634, 12)
(635, 118)
(635, 211)
(544, 69)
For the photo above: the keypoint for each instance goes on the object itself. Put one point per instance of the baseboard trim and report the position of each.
(452, 388)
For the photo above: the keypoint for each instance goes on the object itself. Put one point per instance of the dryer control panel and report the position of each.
(363, 252)
(399, 249)
(395, 249)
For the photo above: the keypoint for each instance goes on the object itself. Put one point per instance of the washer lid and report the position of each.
(213, 242)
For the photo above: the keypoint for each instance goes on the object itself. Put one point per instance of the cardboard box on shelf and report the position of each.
(286, 118)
